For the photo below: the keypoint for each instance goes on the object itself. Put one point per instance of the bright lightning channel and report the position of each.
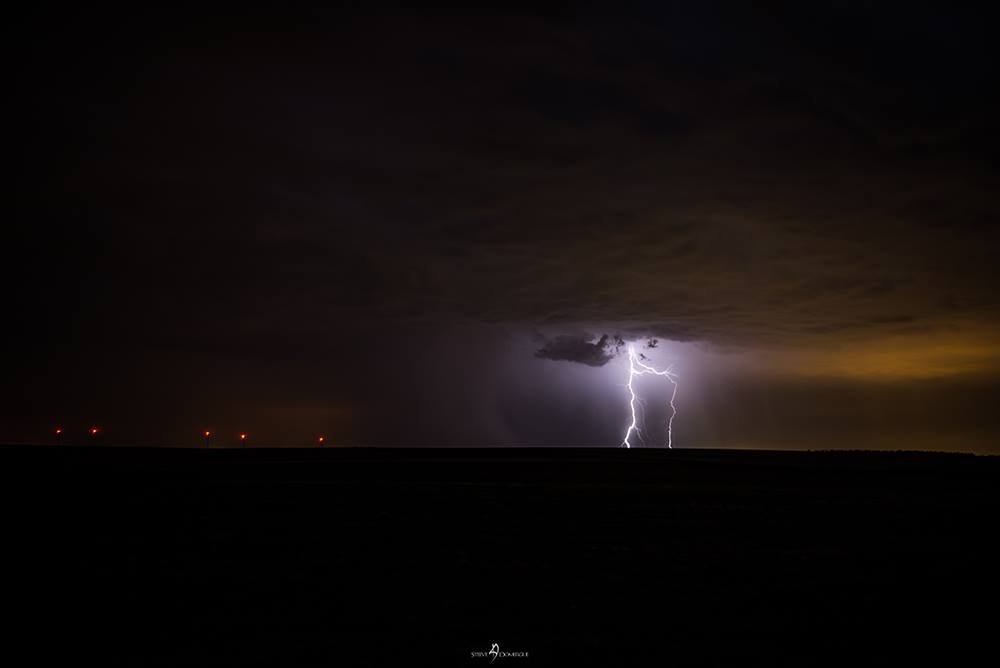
(637, 367)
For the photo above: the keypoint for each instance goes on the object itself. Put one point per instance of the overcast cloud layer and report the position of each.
(530, 170)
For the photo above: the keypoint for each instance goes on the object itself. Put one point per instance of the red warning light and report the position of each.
(58, 430)
(243, 437)
(321, 440)
(207, 434)
(93, 431)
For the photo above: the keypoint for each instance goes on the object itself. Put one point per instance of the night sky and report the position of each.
(411, 227)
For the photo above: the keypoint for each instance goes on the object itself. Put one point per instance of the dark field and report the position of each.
(578, 557)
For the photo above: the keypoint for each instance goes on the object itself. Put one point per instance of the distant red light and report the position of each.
(58, 431)
(207, 434)
(243, 437)
(321, 439)
(93, 431)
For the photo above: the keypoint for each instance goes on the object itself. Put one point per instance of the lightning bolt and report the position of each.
(637, 367)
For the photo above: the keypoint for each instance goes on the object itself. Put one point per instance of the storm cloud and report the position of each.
(587, 176)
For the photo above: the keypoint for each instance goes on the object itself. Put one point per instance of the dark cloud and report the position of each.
(583, 350)
(523, 186)
(447, 175)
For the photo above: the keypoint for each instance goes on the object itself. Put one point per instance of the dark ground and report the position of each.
(420, 557)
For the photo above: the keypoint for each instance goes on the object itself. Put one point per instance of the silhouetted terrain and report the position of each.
(417, 557)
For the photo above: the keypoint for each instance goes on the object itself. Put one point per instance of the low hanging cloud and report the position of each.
(581, 349)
